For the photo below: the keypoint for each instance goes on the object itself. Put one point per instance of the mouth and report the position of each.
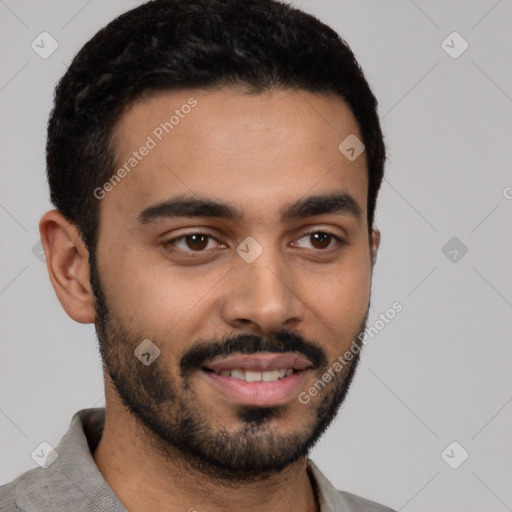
(263, 379)
(255, 376)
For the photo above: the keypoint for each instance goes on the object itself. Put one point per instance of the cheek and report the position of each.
(353, 291)
(151, 296)
(137, 292)
(342, 301)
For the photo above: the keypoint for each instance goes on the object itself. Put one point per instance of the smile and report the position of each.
(263, 379)
(254, 376)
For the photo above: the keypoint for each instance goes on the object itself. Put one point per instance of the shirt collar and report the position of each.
(74, 482)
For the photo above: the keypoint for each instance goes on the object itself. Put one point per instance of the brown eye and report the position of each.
(196, 242)
(191, 242)
(321, 240)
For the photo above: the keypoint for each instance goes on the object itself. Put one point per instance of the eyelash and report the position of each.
(339, 240)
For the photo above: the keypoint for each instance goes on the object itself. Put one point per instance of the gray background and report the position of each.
(439, 372)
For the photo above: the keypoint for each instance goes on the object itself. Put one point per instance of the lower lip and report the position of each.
(258, 393)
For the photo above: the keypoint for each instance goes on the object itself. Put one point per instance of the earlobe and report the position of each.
(67, 260)
(374, 244)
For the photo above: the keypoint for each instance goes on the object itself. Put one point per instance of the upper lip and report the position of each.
(260, 362)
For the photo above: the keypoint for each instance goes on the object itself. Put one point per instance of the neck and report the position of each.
(143, 479)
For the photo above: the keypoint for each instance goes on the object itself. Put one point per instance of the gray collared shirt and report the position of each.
(73, 482)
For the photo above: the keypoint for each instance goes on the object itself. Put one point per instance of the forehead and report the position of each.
(256, 151)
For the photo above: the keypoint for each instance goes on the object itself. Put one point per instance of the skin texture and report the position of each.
(258, 152)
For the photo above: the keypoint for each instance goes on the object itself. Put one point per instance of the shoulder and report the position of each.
(8, 497)
(334, 500)
(359, 504)
(14, 494)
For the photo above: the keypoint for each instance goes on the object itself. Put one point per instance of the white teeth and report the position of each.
(238, 374)
(270, 376)
(251, 376)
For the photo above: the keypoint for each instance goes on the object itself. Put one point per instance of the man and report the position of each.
(215, 166)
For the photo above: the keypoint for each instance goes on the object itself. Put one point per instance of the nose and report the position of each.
(262, 295)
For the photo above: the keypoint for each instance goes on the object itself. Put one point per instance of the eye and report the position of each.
(197, 242)
(321, 240)
(191, 242)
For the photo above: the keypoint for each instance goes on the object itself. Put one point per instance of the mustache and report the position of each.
(201, 353)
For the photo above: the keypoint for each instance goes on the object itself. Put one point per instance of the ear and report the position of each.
(67, 260)
(374, 244)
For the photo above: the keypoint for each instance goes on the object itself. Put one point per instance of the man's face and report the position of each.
(229, 300)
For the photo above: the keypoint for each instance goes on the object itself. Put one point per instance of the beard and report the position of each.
(172, 419)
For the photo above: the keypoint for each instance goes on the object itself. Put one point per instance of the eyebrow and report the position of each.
(192, 206)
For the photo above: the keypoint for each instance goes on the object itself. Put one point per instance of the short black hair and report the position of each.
(160, 45)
